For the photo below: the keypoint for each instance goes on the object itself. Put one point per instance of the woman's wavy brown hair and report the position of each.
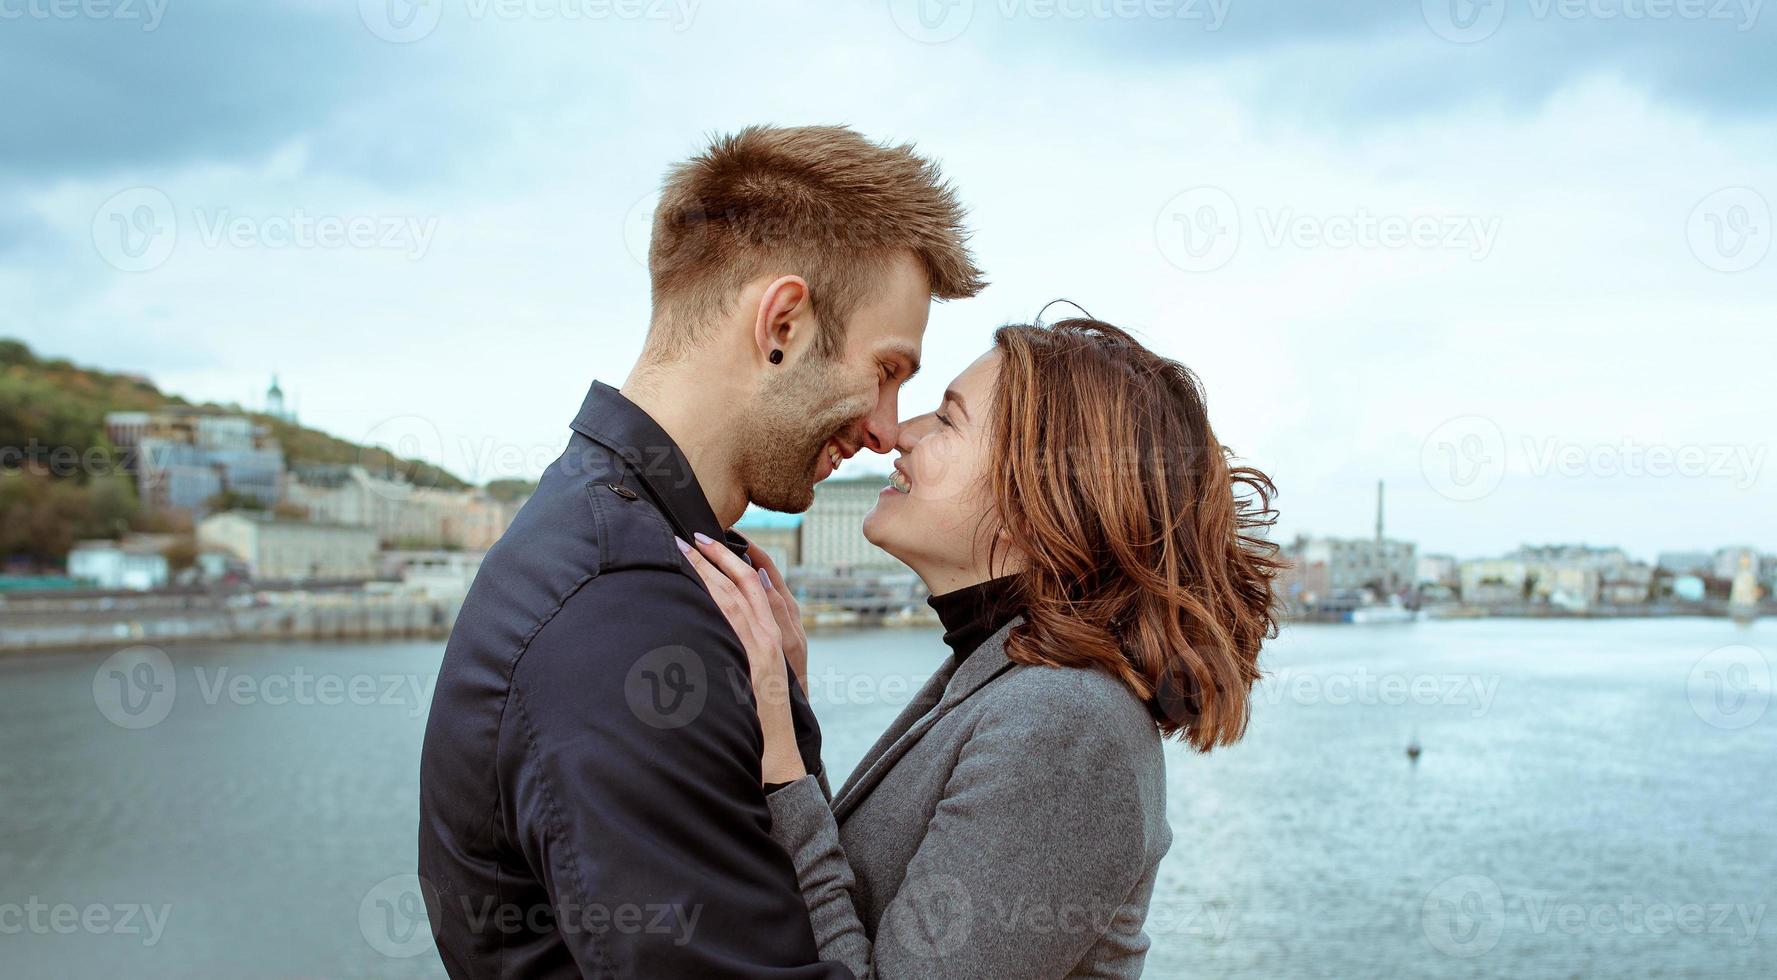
(1140, 535)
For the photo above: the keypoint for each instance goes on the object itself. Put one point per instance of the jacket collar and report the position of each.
(949, 687)
(653, 459)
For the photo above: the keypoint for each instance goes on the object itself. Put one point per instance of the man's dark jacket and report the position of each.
(590, 799)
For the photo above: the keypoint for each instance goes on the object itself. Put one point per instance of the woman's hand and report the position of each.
(741, 593)
(786, 611)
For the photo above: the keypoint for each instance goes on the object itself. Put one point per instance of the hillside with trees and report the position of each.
(62, 480)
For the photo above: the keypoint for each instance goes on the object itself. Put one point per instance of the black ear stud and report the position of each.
(777, 357)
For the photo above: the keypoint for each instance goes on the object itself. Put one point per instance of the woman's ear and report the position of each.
(785, 316)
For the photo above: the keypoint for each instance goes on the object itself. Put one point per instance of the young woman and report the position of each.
(1089, 551)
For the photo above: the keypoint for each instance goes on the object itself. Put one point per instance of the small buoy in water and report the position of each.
(1413, 750)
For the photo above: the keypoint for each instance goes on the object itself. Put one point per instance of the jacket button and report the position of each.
(623, 491)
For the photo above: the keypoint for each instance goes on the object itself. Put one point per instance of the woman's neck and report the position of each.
(940, 579)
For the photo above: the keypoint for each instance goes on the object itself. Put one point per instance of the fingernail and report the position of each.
(703, 538)
(682, 545)
(765, 576)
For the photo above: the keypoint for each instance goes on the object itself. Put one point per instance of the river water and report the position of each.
(1594, 799)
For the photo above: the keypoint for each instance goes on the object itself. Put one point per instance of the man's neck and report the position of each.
(688, 402)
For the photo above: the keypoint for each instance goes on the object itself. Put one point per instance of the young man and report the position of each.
(590, 798)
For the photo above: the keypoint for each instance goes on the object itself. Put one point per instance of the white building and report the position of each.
(137, 562)
(181, 457)
(780, 535)
(833, 529)
(1438, 570)
(401, 514)
(1490, 581)
(282, 550)
(1351, 564)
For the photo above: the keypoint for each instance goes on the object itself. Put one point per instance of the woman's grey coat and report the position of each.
(1007, 825)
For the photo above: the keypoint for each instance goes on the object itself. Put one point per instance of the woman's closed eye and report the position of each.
(944, 419)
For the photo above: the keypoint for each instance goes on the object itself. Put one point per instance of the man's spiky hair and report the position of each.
(821, 202)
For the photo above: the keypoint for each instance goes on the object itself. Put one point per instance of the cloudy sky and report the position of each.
(1511, 256)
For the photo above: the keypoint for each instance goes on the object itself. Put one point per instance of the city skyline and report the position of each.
(1392, 247)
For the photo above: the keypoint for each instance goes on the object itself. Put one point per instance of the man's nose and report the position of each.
(881, 430)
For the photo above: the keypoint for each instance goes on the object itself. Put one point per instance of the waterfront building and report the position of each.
(136, 562)
(832, 533)
(183, 457)
(437, 574)
(1628, 584)
(1439, 570)
(1573, 575)
(1685, 562)
(400, 514)
(1331, 565)
(1728, 563)
(275, 549)
(778, 534)
(1494, 581)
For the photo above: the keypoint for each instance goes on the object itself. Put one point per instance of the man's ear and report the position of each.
(785, 318)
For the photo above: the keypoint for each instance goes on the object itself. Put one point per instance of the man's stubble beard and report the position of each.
(781, 439)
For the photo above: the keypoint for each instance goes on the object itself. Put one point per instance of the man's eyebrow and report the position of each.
(951, 395)
(909, 355)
